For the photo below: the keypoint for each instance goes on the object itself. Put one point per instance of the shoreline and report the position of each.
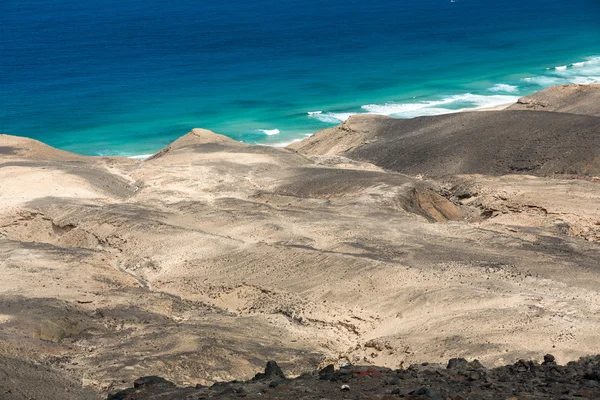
(380, 242)
(143, 157)
(495, 108)
(583, 71)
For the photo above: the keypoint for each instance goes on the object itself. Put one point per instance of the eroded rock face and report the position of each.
(213, 256)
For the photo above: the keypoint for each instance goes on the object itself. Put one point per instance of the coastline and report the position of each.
(502, 95)
(379, 242)
(495, 108)
(143, 157)
(498, 93)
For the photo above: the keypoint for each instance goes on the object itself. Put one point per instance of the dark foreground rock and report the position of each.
(458, 380)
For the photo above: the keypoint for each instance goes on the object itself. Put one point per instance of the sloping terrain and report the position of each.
(491, 143)
(575, 99)
(214, 256)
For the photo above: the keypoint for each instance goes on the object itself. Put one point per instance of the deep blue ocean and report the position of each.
(127, 77)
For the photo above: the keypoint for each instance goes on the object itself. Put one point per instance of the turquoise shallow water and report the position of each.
(114, 77)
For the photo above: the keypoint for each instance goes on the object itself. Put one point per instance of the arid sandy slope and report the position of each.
(379, 241)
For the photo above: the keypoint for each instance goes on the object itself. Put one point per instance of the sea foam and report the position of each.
(270, 132)
(331, 117)
(446, 105)
(481, 101)
(141, 157)
(284, 144)
(401, 108)
(583, 72)
(503, 87)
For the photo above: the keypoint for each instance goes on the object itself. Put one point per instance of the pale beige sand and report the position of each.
(496, 108)
(214, 256)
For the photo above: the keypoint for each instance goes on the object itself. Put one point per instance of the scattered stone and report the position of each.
(327, 372)
(460, 380)
(330, 369)
(457, 363)
(549, 359)
(475, 365)
(272, 370)
(474, 376)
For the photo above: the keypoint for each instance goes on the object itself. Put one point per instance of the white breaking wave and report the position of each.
(396, 109)
(270, 132)
(284, 144)
(331, 118)
(583, 72)
(503, 87)
(103, 153)
(454, 104)
(141, 157)
(545, 80)
(479, 101)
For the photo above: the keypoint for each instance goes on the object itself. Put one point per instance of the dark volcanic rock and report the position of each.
(457, 363)
(272, 371)
(327, 372)
(148, 381)
(490, 143)
(549, 359)
(460, 380)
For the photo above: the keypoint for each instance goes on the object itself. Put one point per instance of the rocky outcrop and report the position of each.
(574, 99)
(458, 380)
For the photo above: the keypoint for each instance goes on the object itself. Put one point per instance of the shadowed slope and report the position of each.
(492, 143)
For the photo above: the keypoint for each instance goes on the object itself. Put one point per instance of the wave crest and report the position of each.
(584, 72)
(504, 87)
(270, 132)
(447, 105)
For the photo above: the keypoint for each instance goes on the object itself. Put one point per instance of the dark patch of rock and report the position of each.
(272, 371)
(549, 359)
(460, 380)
